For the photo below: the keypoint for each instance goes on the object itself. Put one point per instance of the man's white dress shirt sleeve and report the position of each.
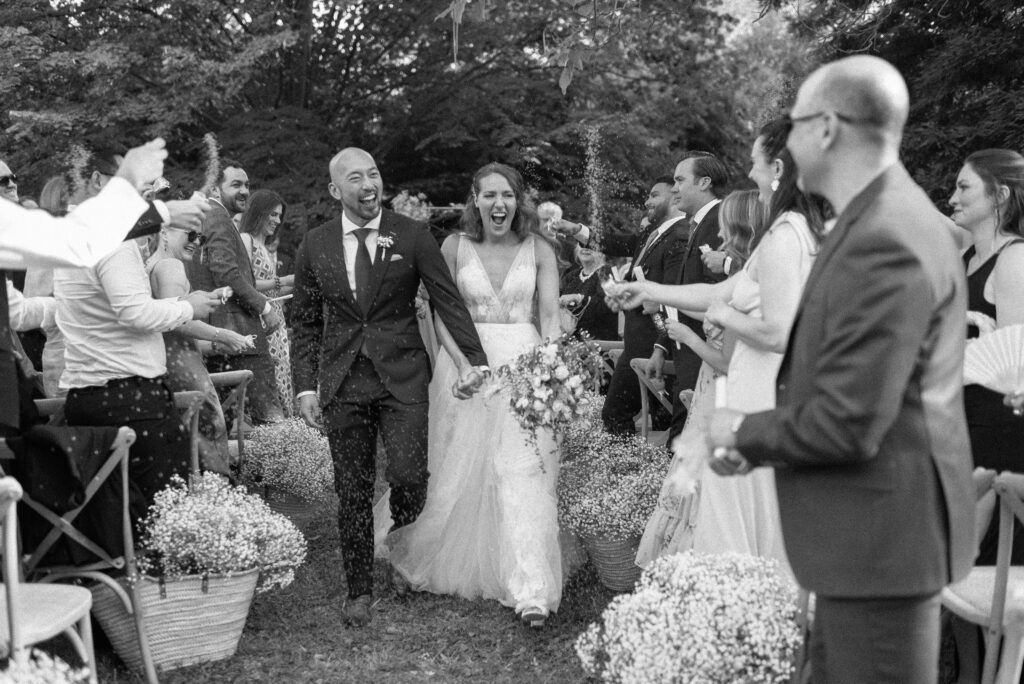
(29, 313)
(32, 237)
(127, 288)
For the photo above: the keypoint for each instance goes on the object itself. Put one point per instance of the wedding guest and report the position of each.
(583, 297)
(654, 251)
(869, 435)
(114, 355)
(34, 238)
(671, 526)
(186, 369)
(259, 224)
(39, 283)
(224, 262)
(989, 203)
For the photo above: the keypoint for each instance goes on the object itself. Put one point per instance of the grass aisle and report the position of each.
(296, 635)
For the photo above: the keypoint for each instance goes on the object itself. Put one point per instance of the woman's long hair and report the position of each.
(525, 221)
(789, 197)
(998, 167)
(741, 218)
(257, 211)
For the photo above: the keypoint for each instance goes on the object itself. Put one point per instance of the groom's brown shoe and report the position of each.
(399, 583)
(356, 611)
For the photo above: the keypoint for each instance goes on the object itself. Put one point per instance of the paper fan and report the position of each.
(996, 360)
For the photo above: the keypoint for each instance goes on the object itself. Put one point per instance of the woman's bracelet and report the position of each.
(277, 282)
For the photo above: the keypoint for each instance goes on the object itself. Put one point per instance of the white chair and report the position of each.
(993, 596)
(34, 613)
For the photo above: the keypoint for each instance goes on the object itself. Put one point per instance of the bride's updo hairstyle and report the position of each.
(1000, 168)
(525, 220)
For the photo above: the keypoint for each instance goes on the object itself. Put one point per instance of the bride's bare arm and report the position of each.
(547, 289)
(450, 250)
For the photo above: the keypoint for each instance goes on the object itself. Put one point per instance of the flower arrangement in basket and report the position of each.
(547, 386)
(42, 668)
(695, 617)
(213, 528)
(291, 457)
(608, 485)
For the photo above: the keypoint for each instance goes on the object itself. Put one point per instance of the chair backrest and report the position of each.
(1009, 487)
(10, 494)
(238, 380)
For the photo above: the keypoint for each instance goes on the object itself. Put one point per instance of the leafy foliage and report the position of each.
(962, 60)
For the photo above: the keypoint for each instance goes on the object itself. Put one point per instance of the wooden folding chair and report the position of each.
(34, 613)
(993, 596)
(652, 387)
(611, 350)
(239, 381)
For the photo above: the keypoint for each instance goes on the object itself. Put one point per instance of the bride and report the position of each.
(490, 526)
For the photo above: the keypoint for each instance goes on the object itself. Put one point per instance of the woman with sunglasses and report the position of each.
(186, 369)
(259, 223)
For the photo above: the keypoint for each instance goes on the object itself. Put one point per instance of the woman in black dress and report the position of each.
(582, 295)
(989, 203)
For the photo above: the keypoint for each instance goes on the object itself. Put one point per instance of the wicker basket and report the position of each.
(296, 509)
(615, 560)
(188, 620)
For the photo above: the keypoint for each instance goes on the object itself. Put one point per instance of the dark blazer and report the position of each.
(223, 261)
(869, 436)
(639, 333)
(686, 268)
(330, 327)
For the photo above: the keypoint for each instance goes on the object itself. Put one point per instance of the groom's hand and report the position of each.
(468, 384)
(309, 410)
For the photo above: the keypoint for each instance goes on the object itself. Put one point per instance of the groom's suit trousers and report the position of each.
(362, 406)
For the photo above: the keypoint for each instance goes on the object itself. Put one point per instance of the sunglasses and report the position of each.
(193, 235)
(9, 180)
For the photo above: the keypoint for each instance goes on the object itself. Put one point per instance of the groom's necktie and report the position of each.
(363, 267)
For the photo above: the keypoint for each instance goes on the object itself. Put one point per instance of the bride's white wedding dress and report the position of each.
(490, 525)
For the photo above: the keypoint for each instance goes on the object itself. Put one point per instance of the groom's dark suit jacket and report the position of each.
(869, 436)
(330, 327)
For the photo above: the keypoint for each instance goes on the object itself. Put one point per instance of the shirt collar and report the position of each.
(703, 211)
(667, 223)
(348, 225)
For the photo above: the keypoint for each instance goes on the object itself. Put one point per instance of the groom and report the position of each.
(356, 340)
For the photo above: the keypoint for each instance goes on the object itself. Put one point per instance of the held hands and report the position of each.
(620, 295)
(725, 459)
(187, 214)
(715, 261)
(309, 411)
(203, 303)
(233, 342)
(143, 165)
(468, 384)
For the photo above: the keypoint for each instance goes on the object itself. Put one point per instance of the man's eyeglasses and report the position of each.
(9, 180)
(193, 236)
(790, 121)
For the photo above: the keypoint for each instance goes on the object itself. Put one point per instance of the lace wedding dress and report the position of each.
(490, 525)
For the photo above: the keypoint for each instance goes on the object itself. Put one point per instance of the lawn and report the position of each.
(296, 635)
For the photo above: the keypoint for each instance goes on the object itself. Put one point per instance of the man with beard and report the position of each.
(654, 249)
(224, 262)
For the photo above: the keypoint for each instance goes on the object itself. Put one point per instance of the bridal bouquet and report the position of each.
(697, 618)
(547, 386)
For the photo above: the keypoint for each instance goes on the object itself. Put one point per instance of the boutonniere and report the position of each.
(384, 242)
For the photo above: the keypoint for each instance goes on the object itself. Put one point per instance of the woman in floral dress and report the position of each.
(258, 224)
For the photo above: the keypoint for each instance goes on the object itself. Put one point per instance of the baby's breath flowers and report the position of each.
(716, 618)
(413, 206)
(217, 529)
(608, 484)
(292, 457)
(42, 668)
(547, 385)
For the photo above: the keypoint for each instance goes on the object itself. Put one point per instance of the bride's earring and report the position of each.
(775, 184)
